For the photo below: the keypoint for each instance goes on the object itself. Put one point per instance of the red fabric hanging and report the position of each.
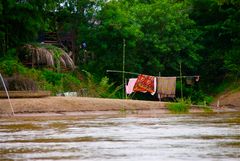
(144, 83)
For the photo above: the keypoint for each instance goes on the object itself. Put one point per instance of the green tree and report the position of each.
(158, 34)
(219, 22)
(75, 17)
(233, 2)
(114, 23)
(169, 37)
(20, 22)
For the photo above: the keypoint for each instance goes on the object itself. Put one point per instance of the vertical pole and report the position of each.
(123, 68)
(5, 88)
(73, 46)
(124, 87)
(32, 60)
(181, 80)
(159, 96)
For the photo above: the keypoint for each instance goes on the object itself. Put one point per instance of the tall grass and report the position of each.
(99, 87)
(180, 107)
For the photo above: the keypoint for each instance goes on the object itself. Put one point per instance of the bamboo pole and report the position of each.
(119, 71)
(123, 69)
(181, 80)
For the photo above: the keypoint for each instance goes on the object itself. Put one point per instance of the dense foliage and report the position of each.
(201, 35)
(18, 77)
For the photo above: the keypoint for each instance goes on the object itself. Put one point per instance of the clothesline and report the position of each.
(188, 76)
(163, 86)
(118, 71)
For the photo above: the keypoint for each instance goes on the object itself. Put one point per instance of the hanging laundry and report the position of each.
(189, 80)
(145, 83)
(166, 87)
(130, 85)
(197, 78)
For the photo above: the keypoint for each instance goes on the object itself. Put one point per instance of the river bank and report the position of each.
(83, 105)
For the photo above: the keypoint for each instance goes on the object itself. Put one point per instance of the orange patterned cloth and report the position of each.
(145, 83)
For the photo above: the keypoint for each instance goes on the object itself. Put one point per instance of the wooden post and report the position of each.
(181, 80)
(125, 88)
(73, 46)
(159, 96)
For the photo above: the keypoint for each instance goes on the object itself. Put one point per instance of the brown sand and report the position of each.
(77, 105)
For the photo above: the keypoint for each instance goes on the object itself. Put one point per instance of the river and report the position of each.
(122, 137)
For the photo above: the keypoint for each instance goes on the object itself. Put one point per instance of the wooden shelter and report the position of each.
(64, 40)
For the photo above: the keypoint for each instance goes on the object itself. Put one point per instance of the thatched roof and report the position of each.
(48, 55)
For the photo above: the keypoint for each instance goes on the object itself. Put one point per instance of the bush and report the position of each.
(52, 77)
(20, 83)
(70, 83)
(10, 66)
(196, 95)
(23, 78)
(182, 106)
(99, 88)
(60, 82)
(200, 98)
(44, 79)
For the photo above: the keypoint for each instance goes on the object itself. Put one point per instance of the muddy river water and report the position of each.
(192, 137)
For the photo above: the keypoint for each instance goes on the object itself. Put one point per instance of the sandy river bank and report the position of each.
(83, 105)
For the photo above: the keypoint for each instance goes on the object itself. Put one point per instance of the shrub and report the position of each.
(182, 106)
(44, 79)
(52, 77)
(99, 88)
(70, 83)
(60, 82)
(20, 83)
(200, 98)
(10, 66)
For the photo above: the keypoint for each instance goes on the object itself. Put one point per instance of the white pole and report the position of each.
(7, 94)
